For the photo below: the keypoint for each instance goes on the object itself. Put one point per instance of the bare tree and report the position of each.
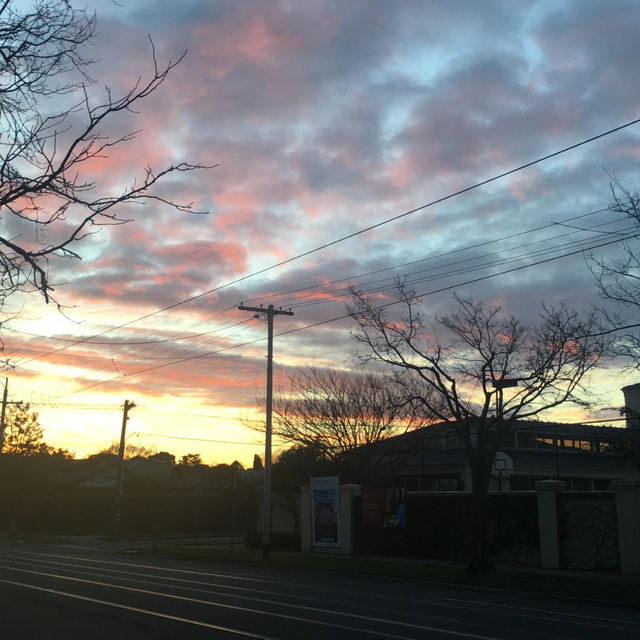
(336, 413)
(456, 373)
(51, 128)
(619, 281)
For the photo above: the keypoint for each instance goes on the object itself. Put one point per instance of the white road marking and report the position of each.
(145, 566)
(157, 614)
(464, 604)
(523, 612)
(171, 596)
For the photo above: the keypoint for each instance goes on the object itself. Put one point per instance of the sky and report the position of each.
(326, 121)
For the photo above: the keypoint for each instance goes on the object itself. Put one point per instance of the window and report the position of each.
(448, 483)
(604, 446)
(543, 442)
(442, 482)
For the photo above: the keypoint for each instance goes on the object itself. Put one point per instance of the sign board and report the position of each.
(325, 511)
(384, 508)
(374, 507)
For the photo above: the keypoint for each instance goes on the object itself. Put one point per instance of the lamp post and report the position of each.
(499, 385)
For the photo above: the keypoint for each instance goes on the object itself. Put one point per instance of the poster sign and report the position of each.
(325, 511)
(396, 510)
(384, 508)
(374, 507)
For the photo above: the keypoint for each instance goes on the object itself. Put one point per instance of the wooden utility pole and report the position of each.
(118, 506)
(3, 412)
(270, 312)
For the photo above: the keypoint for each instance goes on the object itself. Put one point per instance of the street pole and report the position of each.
(499, 385)
(555, 449)
(118, 503)
(270, 312)
(3, 412)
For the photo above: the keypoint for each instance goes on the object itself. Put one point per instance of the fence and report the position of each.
(439, 525)
(597, 530)
(552, 528)
(211, 511)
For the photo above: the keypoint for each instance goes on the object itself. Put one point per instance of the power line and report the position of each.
(347, 315)
(349, 236)
(162, 435)
(285, 302)
(298, 301)
(186, 356)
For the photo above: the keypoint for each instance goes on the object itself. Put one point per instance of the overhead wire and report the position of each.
(300, 301)
(178, 336)
(348, 236)
(376, 307)
(277, 297)
(384, 285)
(167, 362)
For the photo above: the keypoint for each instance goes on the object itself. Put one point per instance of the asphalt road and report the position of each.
(52, 592)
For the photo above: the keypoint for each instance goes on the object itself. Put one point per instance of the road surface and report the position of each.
(54, 592)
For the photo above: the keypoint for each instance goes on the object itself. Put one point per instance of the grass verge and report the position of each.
(33, 538)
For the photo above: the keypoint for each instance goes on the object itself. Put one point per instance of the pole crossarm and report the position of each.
(270, 312)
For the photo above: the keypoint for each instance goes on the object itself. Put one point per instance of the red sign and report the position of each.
(374, 507)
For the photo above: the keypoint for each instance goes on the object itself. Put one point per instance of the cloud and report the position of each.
(326, 118)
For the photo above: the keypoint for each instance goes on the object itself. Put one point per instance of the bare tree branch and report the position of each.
(338, 412)
(45, 188)
(619, 282)
(459, 376)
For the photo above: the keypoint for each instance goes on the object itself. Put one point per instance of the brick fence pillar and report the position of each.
(348, 493)
(547, 491)
(627, 494)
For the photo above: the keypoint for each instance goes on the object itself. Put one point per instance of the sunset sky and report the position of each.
(325, 118)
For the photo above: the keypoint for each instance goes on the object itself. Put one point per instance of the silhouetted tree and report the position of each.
(456, 373)
(292, 468)
(23, 434)
(337, 413)
(163, 456)
(190, 460)
(257, 463)
(130, 451)
(53, 125)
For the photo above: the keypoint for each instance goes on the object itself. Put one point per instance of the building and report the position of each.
(586, 457)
